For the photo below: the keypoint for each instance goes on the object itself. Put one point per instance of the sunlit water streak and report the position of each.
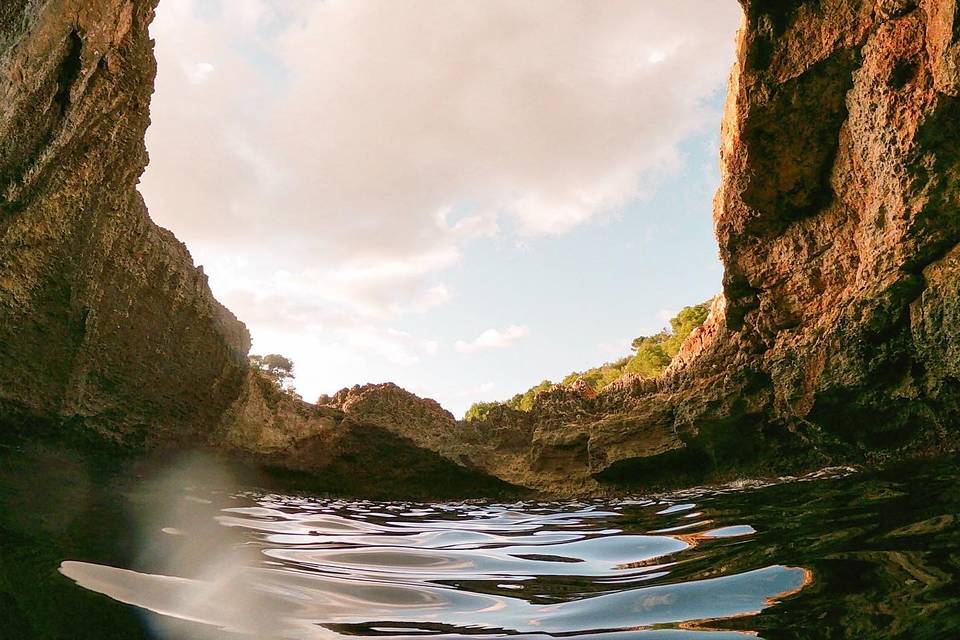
(294, 567)
(835, 555)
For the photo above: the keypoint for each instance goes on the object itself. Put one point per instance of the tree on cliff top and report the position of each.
(479, 410)
(684, 323)
(277, 367)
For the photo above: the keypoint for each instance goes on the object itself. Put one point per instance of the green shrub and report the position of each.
(651, 356)
(479, 410)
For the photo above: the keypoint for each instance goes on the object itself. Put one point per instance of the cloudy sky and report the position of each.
(462, 197)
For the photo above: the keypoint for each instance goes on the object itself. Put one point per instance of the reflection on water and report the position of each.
(377, 568)
(865, 555)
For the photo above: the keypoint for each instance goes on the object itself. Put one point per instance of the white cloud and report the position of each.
(613, 349)
(493, 339)
(349, 150)
(664, 315)
(197, 73)
(346, 132)
(431, 297)
(430, 347)
(394, 347)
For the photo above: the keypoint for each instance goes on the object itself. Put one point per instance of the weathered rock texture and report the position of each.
(376, 441)
(838, 220)
(839, 203)
(108, 333)
(104, 320)
(388, 406)
(835, 337)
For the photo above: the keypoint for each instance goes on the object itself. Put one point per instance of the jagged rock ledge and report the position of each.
(834, 340)
(109, 336)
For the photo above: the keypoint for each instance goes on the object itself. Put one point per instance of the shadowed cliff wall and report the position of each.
(104, 320)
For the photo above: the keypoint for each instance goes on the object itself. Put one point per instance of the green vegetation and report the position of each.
(276, 367)
(524, 401)
(479, 410)
(651, 356)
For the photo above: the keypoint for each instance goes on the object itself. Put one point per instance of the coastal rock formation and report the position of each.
(377, 441)
(837, 215)
(106, 326)
(109, 335)
(834, 338)
(389, 407)
(837, 218)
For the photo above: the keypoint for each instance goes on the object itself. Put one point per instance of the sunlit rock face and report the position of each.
(836, 337)
(397, 410)
(376, 441)
(105, 323)
(837, 215)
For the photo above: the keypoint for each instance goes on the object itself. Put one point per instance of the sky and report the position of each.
(461, 197)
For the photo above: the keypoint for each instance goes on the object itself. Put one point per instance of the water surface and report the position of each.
(851, 555)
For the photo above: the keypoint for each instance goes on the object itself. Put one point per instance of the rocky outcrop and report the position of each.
(388, 406)
(834, 339)
(377, 441)
(108, 332)
(839, 197)
(837, 219)
(104, 320)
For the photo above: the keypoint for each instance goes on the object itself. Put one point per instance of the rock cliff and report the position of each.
(838, 220)
(105, 324)
(834, 338)
(109, 335)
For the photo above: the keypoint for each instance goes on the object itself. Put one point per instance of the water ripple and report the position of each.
(278, 566)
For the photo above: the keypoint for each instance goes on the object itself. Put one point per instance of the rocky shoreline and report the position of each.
(835, 339)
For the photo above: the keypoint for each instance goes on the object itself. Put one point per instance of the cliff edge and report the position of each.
(838, 220)
(109, 335)
(105, 323)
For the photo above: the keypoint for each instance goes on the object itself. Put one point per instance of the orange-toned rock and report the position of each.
(583, 387)
(835, 337)
(701, 338)
(838, 220)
